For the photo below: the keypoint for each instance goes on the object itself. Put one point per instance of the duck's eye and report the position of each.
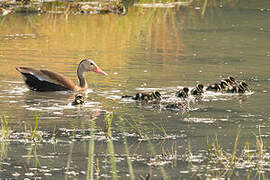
(91, 63)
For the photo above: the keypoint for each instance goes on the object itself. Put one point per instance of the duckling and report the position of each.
(198, 90)
(183, 93)
(230, 81)
(156, 95)
(224, 85)
(241, 88)
(214, 88)
(244, 86)
(144, 96)
(79, 99)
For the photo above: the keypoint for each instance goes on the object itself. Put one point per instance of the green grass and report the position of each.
(110, 147)
(91, 151)
(5, 130)
(130, 167)
(252, 159)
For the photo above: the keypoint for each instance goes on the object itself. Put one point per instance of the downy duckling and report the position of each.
(241, 88)
(144, 96)
(214, 88)
(79, 99)
(230, 81)
(224, 85)
(244, 87)
(198, 90)
(183, 93)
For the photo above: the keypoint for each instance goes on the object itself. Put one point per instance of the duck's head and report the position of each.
(87, 65)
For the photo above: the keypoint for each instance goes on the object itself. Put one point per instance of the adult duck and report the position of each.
(45, 80)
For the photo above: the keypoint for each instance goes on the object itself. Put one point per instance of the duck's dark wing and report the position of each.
(44, 80)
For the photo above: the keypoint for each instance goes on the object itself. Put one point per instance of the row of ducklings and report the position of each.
(227, 85)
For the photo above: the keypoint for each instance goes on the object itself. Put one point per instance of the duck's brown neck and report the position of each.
(83, 82)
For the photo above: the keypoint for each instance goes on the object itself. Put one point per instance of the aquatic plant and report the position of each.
(130, 167)
(228, 162)
(33, 153)
(108, 122)
(162, 129)
(5, 130)
(91, 151)
(110, 147)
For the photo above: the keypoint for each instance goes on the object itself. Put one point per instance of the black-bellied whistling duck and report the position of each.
(44, 80)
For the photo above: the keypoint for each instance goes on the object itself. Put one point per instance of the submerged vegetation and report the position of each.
(221, 163)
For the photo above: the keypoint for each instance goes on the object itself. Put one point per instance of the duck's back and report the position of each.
(44, 80)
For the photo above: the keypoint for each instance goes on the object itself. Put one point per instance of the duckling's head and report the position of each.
(231, 79)
(244, 86)
(138, 96)
(223, 84)
(185, 89)
(79, 99)
(200, 86)
(157, 95)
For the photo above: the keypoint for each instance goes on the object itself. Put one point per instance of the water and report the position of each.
(146, 50)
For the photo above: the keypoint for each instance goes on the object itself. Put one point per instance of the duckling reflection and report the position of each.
(79, 99)
(198, 90)
(183, 93)
(177, 106)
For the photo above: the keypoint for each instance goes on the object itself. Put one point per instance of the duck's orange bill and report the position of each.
(98, 70)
